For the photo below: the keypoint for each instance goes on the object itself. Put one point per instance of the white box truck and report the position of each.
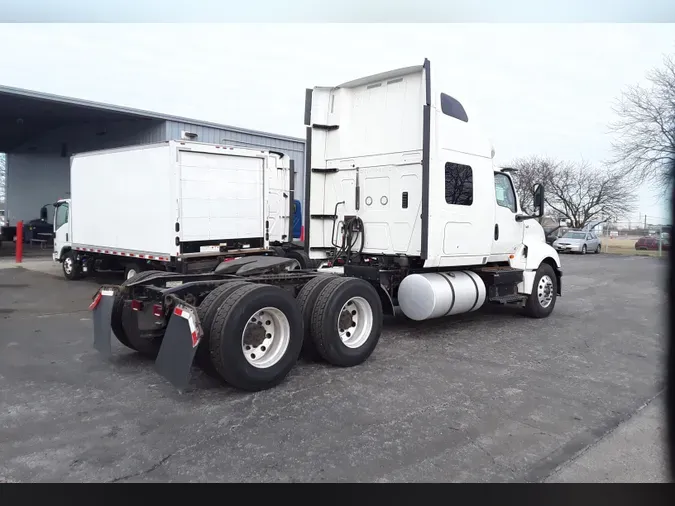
(406, 209)
(176, 206)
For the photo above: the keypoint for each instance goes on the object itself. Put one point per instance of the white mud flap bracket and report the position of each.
(179, 346)
(102, 307)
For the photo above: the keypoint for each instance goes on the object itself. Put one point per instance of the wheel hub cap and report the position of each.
(265, 337)
(545, 291)
(355, 322)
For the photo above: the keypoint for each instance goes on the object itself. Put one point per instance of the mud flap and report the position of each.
(102, 307)
(130, 323)
(179, 346)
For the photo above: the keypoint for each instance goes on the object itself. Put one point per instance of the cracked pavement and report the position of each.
(490, 396)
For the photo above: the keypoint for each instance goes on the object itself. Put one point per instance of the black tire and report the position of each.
(150, 340)
(597, 250)
(207, 311)
(328, 311)
(302, 258)
(533, 308)
(225, 341)
(307, 301)
(583, 249)
(279, 251)
(72, 269)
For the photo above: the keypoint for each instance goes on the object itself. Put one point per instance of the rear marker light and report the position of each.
(95, 302)
(98, 297)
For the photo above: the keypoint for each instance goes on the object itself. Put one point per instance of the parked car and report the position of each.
(652, 244)
(553, 234)
(578, 241)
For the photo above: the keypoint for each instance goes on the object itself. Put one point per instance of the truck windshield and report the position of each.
(574, 235)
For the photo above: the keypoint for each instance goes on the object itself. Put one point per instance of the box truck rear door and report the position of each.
(221, 196)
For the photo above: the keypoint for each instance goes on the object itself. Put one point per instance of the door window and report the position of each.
(61, 215)
(506, 197)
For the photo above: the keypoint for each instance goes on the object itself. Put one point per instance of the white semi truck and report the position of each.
(175, 206)
(407, 212)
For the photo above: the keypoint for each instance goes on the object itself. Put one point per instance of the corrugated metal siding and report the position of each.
(293, 149)
(84, 137)
(37, 173)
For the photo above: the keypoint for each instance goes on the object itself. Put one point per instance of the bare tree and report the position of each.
(645, 131)
(576, 192)
(530, 171)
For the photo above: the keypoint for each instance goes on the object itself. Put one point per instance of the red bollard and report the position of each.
(19, 241)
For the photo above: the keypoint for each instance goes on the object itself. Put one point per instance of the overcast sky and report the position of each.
(536, 89)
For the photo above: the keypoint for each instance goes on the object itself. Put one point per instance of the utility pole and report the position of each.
(645, 223)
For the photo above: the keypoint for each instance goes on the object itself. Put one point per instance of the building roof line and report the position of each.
(38, 95)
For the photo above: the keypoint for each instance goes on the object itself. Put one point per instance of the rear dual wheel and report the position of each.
(207, 312)
(255, 337)
(346, 321)
(254, 333)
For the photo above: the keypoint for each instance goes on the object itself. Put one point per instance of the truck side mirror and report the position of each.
(539, 200)
(43, 213)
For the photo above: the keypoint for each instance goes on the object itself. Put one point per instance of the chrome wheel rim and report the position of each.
(355, 322)
(545, 291)
(266, 337)
(68, 265)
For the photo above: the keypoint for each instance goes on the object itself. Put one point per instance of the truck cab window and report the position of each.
(61, 215)
(506, 196)
(458, 184)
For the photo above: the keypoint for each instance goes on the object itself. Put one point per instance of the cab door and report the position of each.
(508, 233)
(61, 228)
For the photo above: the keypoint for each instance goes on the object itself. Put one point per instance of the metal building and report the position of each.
(39, 133)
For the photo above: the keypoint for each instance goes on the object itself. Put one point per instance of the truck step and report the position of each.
(507, 299)
(500, 275)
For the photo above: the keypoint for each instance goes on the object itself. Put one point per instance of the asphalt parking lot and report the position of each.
(490, 396)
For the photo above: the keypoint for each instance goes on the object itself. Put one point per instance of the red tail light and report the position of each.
(97, 299)
(157, 310)
(136, 305)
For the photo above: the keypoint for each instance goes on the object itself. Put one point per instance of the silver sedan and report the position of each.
(576, 241)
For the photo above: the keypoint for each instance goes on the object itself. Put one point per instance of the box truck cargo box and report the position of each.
(175, 205)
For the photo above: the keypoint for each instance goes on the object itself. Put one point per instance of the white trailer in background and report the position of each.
(177, 206)
(406, 210)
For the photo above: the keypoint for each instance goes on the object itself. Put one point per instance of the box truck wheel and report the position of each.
(347, 321)
(302, 258)
(256, 337)
(207, 311)
(541, 301)
(133, 269)
(118, 329)
(307, 301)
(72, 269)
